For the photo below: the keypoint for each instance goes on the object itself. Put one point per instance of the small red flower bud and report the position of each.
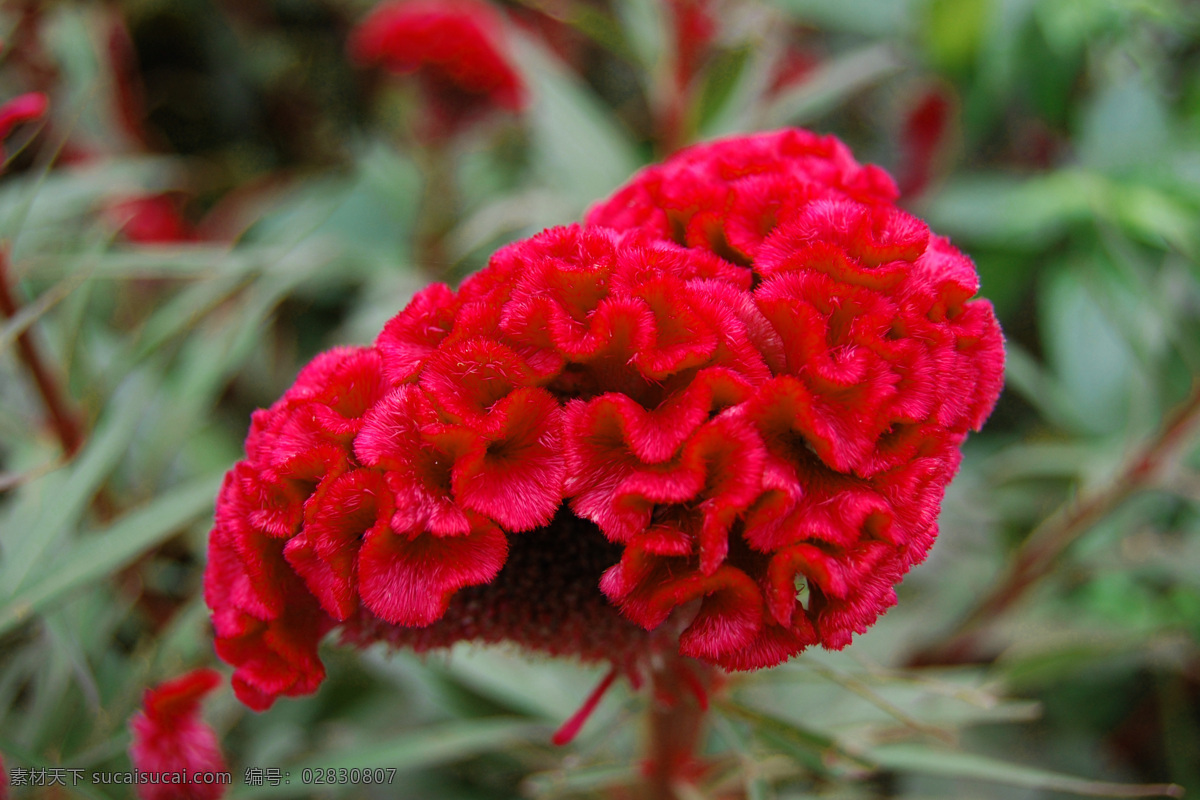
(170, 739)
(718, 419)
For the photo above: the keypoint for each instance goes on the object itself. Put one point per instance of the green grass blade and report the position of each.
(832, 85)
(101, 554)
(64, 497)
(954, 764)
(426, 747)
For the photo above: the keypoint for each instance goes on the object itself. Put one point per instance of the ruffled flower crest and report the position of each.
(719, 419)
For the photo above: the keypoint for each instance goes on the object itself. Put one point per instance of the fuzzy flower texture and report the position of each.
(717, 418)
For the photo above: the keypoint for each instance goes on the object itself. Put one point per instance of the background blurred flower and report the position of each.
(169, 737)
(23, 108)
(694, 26)
(923, 137)
(455, 48)
(152, 219)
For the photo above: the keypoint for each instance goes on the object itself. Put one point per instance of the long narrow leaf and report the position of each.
(427, 747)
(101, 554)
(954, 764)
(65, 496)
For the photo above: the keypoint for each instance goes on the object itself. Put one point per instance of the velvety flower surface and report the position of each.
(169, 737)
(719, 418)
(455, 48)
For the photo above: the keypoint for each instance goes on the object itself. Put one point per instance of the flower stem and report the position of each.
(679, 701)
(1036, 557)
(438, 211)
(65, 422)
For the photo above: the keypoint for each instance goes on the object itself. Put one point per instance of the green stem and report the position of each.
(439, 209)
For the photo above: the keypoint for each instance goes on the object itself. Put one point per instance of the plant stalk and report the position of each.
(1036, 557)
(63, 419)
(679, 703)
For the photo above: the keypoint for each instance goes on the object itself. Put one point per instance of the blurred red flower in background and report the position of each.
(923, 136)
(23, 108)
(694, 28)
(455, 48)
(169, 737)
(718, 420)
(152, 219)
(794, 67)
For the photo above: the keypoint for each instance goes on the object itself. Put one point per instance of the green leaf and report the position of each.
(869, 17)
(584, 780)
(427, 747)
(1025, 374)
(29, 314)
(953, 31)
(1152, 215)
(371, 211)
(645, 26)
(64, 496)
(1125, 126)
(180, 315)
(755, 784)
(580, 149)
(807, 746)
(1093, 361)
(832, 84)
(595, 23)
(735, 86)
(154, 261)
(955, 764)
(1009, 212)
(102, 553)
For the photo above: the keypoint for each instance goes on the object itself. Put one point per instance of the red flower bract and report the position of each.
(169, 737)
(718, 418)
(456, 49)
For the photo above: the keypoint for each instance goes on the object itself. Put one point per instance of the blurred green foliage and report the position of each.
(1069, 168)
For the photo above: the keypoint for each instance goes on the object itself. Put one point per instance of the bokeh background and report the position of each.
(217, 192)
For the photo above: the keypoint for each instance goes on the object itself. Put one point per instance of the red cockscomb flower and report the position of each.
(169, 737)
(718, 419)
(455, 47)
